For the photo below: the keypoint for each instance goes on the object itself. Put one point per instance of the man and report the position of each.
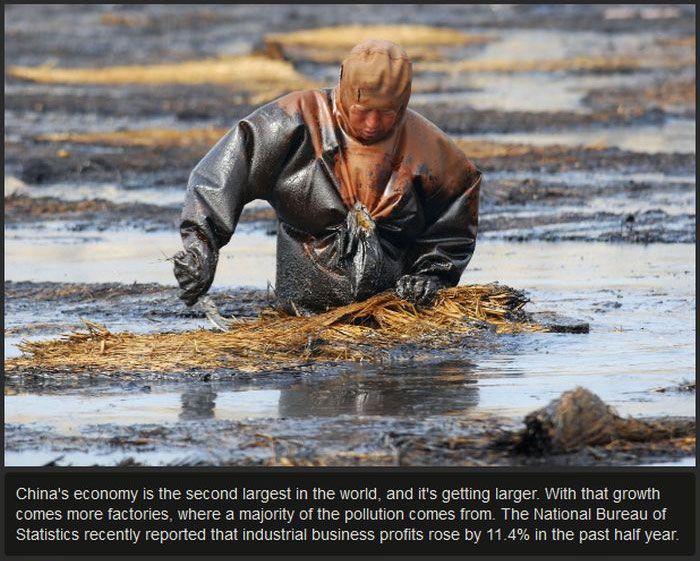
(369, 195)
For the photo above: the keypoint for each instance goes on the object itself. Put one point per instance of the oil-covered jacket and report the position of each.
(292, 153)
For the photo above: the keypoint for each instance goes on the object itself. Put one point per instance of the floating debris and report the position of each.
(679, 388)
(579, 418)
(360, 331)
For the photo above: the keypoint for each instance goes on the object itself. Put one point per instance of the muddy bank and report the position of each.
(591, 193)
(651, 226)
(170, 166)
(130, 168)
(580, 187)
(128, 301)
(546, 159)
(95, 214)
(223, 107)
(100, 215)
(345, 441)
(525, 218)
(185, 103)
(458, 120)
(326, 431)
(675, 96)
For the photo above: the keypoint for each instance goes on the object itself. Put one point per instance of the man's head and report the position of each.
(374, 88)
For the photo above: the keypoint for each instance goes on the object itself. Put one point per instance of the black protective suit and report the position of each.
(353, 219)
(287, 153)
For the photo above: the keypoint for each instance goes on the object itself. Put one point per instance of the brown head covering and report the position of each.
(377, 73)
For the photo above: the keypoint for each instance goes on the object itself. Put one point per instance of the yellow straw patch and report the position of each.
(359, 331)
(252, 73)
(158, 138)
(490, 149)
(347, 36)
(332, 44)
(594, 63)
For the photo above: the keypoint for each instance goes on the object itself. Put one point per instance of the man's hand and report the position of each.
(420, 289)
(194, 271)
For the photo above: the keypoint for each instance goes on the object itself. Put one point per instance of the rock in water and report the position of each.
(579, 418)
(14, 186)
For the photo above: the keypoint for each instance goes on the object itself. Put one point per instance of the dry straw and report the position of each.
(332, 44)
(360, 331)
(488, 149)
(259, 77)
(252, 71)
(617, 63)
(347, 36)
(152, 137)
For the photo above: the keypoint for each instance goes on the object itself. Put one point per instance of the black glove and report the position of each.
(420, 289)
(194, 270)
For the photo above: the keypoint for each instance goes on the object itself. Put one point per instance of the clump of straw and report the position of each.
(347, 36)
(579, 418)
(365, 330)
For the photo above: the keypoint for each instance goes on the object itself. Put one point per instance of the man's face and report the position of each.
(370, 124)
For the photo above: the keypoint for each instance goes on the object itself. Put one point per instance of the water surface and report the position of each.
(639, 300)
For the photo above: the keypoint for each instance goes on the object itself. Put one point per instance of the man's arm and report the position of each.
(241, 167)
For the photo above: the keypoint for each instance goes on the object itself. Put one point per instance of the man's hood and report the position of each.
(376, 74)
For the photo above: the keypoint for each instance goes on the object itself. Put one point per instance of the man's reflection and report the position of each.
(198, 403)
(438, 389)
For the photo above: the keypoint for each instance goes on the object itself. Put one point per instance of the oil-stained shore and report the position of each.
(590, 140)
(418, 407)
(608, 132)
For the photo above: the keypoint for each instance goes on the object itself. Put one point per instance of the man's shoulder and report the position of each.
(444, 162)
(428, 138)
(286, 113)
(419, 123)
(303, 102)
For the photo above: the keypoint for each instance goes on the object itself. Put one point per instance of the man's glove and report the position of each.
(420, 289)
(194, 270)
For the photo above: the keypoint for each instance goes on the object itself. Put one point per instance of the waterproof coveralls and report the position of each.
(353, 218)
